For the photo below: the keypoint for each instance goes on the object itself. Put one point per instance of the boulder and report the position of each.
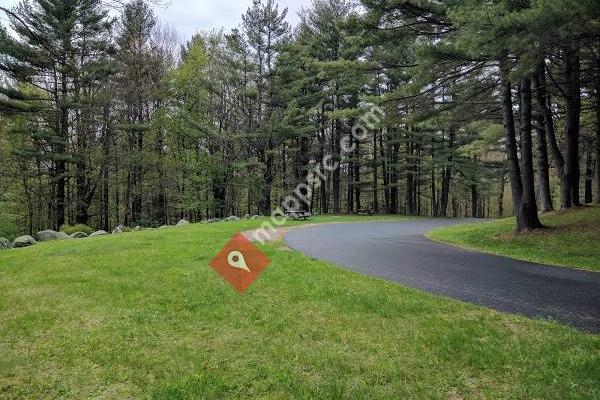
(232, 218)
(98, 233)
(5, 244)
(24, 241)
(183, 222)
(137, 228)
(213, 221)
(255, 216)
(49, 235)
(79, 235)
(119, 229)
(247, 216)
(163, 227)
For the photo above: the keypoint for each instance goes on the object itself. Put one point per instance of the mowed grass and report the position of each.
(142, 315)
(572, 239)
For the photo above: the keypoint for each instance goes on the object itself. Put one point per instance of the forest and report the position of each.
(488, 109)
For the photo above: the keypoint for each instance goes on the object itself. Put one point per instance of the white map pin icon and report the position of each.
(236, 259)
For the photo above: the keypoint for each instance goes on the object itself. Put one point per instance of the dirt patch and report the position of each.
(276, 236)
(504, 236)
(453, 395)
(284, 248)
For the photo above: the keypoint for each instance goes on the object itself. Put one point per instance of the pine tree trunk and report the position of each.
(474, 202)
(336, 177)
(350, 183)
(375, 175)
(357, 188)
(446, 178)
(511, 146)
(219, 194)
(572, 120)
(303, 165)
(529, 209)
(597, 108)
(82, 216)
(127, 199)
(410, 206)
(323, 182)
(162, 195)
(589, 177)
(137, 199)
(60, 169)
(105, 220)
(434, 204)
(501, 195)
(543, 166)
(394, 179)
(418, 179)
(384, 152)
(265, 200)
(117, 188)
(284, 169)
(543, 103)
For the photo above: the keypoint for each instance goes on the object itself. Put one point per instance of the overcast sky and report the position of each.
(189, 16)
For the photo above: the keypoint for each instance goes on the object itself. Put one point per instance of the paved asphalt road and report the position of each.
(398, 251)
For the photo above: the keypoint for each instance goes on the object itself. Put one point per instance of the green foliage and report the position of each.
(8, 227)
(146, 132)
(71, 229)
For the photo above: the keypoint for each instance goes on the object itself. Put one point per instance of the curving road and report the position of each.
(399, 251)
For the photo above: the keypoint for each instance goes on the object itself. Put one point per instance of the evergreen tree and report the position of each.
(265, 30)
(59, 48)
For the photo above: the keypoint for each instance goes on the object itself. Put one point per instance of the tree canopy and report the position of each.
(109, 120)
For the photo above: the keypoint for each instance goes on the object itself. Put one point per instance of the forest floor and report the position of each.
(142, 315)
(571, 239)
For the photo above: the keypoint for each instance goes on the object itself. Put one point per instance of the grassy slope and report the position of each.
(572, 240)
(142, 315)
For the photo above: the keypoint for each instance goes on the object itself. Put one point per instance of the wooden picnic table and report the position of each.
(296, 215)
(364, 211)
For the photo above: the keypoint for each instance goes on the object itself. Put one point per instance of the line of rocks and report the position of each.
(50, 235)
(230, 219)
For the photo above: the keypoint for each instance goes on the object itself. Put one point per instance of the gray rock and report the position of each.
(255, 216)
(98, 233)
(79, 235)
(49, 235)
(232, 218)
(5, 244)
(183, 222)
(119, 229)
(213, 221)
(24, 241)
(163, 227)
(137, 228)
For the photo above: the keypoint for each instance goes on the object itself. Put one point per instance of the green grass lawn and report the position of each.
(572, 239)
(141, 315)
